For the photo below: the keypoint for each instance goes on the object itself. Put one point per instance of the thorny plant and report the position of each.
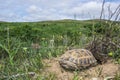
(109, 41)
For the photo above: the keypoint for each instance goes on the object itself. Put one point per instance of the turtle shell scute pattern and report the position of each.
(77, 59)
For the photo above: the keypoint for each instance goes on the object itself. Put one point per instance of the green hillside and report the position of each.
(48, 28)
(38, 32)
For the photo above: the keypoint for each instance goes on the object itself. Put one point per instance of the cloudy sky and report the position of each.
(40, 10)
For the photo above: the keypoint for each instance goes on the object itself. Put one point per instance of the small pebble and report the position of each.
(94, 78)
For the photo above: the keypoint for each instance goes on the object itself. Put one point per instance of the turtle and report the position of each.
(77, 59)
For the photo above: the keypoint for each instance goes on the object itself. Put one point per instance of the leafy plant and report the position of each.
(11, 47)
(75, 76)
(117, 76)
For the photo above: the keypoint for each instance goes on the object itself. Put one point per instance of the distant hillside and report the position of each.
(36, 31)
(61, 21)
(66, 24)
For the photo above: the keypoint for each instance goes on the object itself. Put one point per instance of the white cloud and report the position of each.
(37, 10)
(33, 9)
(90, 9)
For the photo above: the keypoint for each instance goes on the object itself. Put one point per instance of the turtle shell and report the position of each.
(77, 59)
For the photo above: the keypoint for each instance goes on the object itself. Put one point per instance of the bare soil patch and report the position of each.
(100, 72)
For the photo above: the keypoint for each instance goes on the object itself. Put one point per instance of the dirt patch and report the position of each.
(108, 69)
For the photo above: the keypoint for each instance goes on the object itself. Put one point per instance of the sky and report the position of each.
(42, 10)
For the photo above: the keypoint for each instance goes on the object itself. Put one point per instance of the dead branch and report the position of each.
(102, 11)
(112, 14)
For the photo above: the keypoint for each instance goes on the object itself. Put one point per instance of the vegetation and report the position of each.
(54, 37)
